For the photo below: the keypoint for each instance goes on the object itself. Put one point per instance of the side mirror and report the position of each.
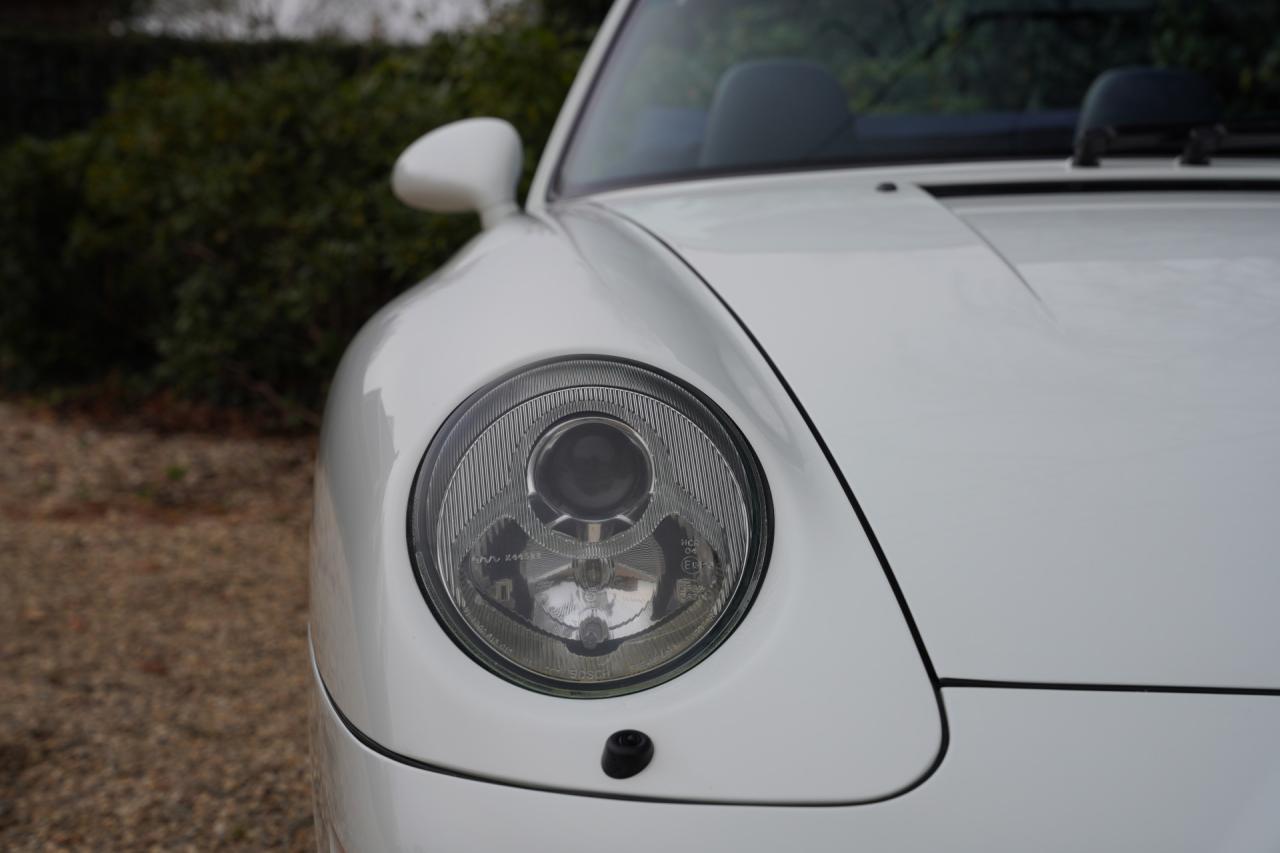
(464, 167)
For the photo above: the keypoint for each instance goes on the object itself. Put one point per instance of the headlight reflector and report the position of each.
(589, 527)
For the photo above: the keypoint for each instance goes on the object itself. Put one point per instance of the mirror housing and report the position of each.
(468, 166)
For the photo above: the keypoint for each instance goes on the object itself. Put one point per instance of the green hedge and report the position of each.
(52, 84)
(224, 233)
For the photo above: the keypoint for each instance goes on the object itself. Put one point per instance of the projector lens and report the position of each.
(591, 468)
(589, 527)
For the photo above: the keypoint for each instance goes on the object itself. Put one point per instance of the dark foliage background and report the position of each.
(56, 82)
(225, 224)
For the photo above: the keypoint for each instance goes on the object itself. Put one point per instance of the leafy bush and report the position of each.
(225, 236)
(59, 82)
(583, 15)
(63, 310)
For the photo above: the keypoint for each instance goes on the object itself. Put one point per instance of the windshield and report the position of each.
(703, 87)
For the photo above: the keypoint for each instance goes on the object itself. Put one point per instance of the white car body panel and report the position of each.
(1060, 413)
(1049, 771)
(825, 647)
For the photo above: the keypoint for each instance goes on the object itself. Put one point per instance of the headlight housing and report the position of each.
(589, 527)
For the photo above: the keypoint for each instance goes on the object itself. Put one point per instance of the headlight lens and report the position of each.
(589, 527)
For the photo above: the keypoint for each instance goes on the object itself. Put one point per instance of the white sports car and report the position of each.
(866, 437)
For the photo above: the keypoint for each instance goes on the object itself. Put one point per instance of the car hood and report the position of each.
(1060, 411)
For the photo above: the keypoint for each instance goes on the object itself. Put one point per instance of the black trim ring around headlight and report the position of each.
(645, 557)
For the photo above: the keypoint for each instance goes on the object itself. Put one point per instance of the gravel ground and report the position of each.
(153, 663)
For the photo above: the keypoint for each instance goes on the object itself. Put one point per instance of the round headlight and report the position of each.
(589, 527)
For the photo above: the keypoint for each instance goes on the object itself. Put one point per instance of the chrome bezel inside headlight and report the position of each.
(682, 554)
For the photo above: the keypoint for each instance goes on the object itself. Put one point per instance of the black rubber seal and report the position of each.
(1100, 185)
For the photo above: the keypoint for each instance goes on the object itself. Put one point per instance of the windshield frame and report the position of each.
(557, 191)
(611, 32)
(552, 186)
